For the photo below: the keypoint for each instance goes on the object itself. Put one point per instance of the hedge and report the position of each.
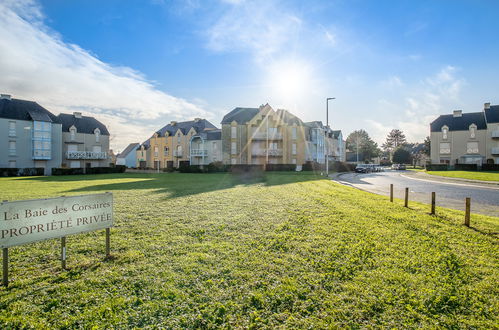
(466, 167)
(437, 167)
(280, 167)
(28, 171)
(67, 171)
(490, 167)
(89, 170)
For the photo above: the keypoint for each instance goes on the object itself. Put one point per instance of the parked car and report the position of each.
(398, 167)
(362, 168)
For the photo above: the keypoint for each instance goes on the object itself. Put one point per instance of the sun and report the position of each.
(289, 80)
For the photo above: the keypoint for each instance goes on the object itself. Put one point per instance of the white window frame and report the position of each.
(156, 151)
(12, 148)
(233, 132)
(97, 135)
(472, 131)
(12, 128)
(445, 132)
(233, 148)
(472, 147)
(293, 149)
(445, 148)
(294, 133)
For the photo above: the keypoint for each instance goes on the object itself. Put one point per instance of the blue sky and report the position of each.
(137, 65)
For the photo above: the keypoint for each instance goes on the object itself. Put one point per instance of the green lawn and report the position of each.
(289, 250)
(472, 175)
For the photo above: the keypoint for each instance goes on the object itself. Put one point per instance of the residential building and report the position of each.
(263, 135)
(170, 146)
(466, 138)
(31, 135)
(316, 142)
(128, 157)
(206, 147)
(338, 149)
(85, 141)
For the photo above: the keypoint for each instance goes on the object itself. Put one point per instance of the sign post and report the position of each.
(23, 222)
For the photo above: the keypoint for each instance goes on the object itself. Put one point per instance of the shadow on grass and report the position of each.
(180, 184)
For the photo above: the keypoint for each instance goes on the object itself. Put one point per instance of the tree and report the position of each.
(360, 140)
(395, 139)
(402, 156)
(427, 144)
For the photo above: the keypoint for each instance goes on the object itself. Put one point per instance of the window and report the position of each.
(214, 146)
(294, 148)
(12, 148)
(72, 133)
(156, 151)
(233, 148)
(273, 145)
(233, 161)
(233, 132)
(12, 163)
(12, 128)
(445, 131)
(293, 133)
(472, 148)
(445, 148)
(166, 151)
(42, 140)
(472, 131)
(179, 151)
(178, 138)
(293, 161)
(97, 135)
(272, 131)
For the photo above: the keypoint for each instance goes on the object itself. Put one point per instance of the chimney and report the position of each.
(5, 96)
(173, 123)
(457, 113)
(197, 120)
(486, 106)
(77, 114)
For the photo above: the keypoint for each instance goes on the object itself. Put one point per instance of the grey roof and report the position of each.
(240, 115)
(211, 135)
(85, 125)
(288, 117)
(25, 110)
(492, 114)
(459, 123)
(336, 133)
(185, 126)
(146, 144)
(131, 147)
(315, 124)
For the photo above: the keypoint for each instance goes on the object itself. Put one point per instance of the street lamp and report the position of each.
(325, 133)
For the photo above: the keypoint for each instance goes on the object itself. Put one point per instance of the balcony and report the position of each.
(265, 136)
(494, 151)
(86, 155)
(177, 153)
(271, 152)
(495, 134)
(199, 152)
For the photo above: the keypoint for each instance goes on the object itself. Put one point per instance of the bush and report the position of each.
(67, 171)
(217, 167)
(9, 171)
(466, 167)
(89, 170)
(490, 167)
(280, 167)
(341, 167)
(313, 166)
(437, 167)
(244, 168)
(32, 171)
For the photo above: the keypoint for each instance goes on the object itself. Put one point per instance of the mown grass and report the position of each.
(287, 250)
(471, 175)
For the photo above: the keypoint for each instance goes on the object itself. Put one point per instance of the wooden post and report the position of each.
(391, 192)
(433, 203)
(467, 212)
(5, 275)
(108, 242)
(63, 252)
(406, 203)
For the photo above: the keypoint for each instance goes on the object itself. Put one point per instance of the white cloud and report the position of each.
(38, 65)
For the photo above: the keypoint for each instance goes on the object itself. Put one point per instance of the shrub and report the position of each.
(466, 167)
(437, 167)
(215, 167)
(490, 167)
(31, 171)
(313, 166)
(245, 168)
(280, 167)
(341, 167)
(67, 171)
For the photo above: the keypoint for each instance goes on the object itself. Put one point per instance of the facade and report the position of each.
(85, 141)
(316, 142)
(170, 146)
(128, 157)
(31, 135)
(338, 149)
(206, 147)
(263, 136)
(466, 138)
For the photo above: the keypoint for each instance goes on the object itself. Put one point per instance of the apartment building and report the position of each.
(170, 146)
(466, 138)
(206, 147)
(31, 135)
(85, 141)
(337, 146)
(128, 156)
(263, 135)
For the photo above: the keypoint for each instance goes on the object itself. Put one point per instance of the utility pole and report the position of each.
(326, 133)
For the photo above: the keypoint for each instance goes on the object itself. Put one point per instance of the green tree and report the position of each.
(361, 141)
(395, 139)
(402, 156)
(427, 144)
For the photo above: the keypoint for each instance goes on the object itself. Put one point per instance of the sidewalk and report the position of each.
(437, 178)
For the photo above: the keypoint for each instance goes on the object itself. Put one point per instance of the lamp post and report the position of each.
(325, 133)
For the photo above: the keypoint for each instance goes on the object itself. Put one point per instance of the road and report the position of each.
(450, 194)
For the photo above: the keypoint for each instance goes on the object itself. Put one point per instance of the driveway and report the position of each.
(450, 194)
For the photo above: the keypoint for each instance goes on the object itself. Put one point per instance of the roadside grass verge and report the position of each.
(284, 250)
(471, 175)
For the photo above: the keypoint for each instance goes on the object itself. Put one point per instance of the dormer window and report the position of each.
(445, 132)
(72, 133)
(472, 131)
(97, 135)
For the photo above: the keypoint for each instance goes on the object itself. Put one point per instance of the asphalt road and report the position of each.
(450, 194)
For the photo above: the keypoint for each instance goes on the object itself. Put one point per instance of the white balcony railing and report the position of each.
(86, 155)
(495, 134)
(494, 151)
(472, 150)
(199, 152)
(445, 151)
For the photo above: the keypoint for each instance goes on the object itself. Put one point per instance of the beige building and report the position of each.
(206, 147)
(85, 141)
(170, 146)
(466, 138)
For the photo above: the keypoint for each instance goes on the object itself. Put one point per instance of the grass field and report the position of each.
(288, 250)
(472, 175)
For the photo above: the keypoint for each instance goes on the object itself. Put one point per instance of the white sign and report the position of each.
(23, 222)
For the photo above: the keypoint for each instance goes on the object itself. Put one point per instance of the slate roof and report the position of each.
(336, 134)
(240, 115)
(492, 114)
(288, 117)
(25, 110)
(211, 135)
(185, 126)
(85, 124)
(315, 124)
(131, 147)
(459, 123)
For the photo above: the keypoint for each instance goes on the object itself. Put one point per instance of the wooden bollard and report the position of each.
(391, 192)
(63, 252)
(433, 203)
(406, 203)
(5, 275)
(467, 212)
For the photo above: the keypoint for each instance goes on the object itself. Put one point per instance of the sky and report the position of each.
(136, 65)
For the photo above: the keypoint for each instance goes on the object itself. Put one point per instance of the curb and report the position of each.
(444, 178)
